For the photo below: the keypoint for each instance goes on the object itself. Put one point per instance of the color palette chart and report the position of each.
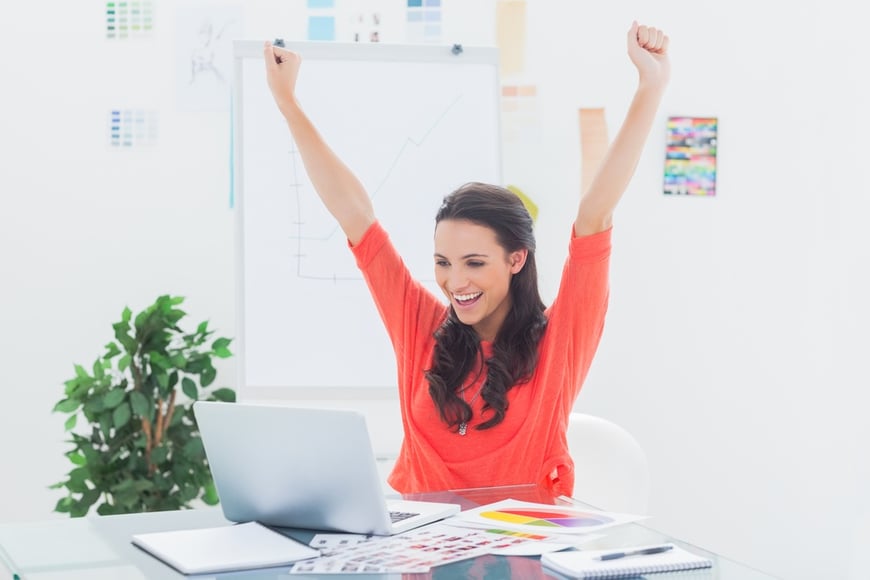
(130, 128)
(538, 518)
(128, 19)
(547, 518)
(690, 158)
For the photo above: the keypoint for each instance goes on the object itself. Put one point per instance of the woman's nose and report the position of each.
(457, 281)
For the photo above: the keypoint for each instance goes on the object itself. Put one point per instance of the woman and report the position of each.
(486, 384)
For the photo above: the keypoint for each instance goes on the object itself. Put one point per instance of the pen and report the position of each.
(638, 552)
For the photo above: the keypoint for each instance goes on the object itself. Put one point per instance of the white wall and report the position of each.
(736, 335)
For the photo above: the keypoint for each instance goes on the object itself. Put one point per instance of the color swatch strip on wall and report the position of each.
(130, 128)
(321, 20)
(519, 106)
(424, 21)
(126, 19)
(690, 156)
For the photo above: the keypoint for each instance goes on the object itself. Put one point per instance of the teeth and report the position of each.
(467, 297)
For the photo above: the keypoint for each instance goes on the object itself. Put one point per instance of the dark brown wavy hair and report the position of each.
(515, 348)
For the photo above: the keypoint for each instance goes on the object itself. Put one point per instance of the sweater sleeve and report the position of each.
(576, 317)
(408, 310)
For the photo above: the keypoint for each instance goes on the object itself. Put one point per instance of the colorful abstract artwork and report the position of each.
(690, 158)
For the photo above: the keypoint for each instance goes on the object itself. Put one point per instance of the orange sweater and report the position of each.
(529, 446)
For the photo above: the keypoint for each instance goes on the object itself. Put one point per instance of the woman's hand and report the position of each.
(282, 70)
(648, 51)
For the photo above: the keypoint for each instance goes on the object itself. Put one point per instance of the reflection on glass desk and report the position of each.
(98, 547)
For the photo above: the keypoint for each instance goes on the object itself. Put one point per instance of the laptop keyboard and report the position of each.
(399, 516)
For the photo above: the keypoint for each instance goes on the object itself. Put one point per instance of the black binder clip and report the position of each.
(457, 49)
(278, 42)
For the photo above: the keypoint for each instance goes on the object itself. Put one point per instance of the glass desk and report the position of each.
(98, 547)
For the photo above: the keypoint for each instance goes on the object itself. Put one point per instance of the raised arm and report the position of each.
(339, 189)
(648, 51)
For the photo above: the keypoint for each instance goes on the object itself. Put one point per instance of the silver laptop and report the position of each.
(302, 468)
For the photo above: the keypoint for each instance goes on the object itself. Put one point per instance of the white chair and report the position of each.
(610, 466)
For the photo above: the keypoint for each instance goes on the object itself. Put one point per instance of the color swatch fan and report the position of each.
(523, 516)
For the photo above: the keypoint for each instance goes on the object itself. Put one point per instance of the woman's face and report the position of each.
(474, 272)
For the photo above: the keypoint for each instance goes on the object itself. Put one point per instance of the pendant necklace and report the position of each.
(463, 427)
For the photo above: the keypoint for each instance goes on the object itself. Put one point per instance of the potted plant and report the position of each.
(136, 446)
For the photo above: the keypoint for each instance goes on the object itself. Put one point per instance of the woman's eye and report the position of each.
(441, 263)
(475, 264)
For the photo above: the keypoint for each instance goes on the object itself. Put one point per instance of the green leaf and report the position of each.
(122, 486)
(221, 343)
(70, 423)
(189, 388)
(159, 455)
(202, 328)
(124, 363)
(89, 498)
(67, 406)
(193, 449)
(160, 361)
(129, 343)
(177, 417)
(77, 479)
(70, 386)
(76, 458)
(106, 509)
(113, 398)
(81, 372)
(94, 405)
(143, 485)
(175, 315)
(112, 350)
(139, 403)
(78, 510)
(224, 394)
(210, 497)
(207, 376)
(223, 352)
(196, 365)
(98, 369)
(121, 415)
(64, 505)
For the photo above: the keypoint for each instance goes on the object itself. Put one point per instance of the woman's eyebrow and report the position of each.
(465, 257)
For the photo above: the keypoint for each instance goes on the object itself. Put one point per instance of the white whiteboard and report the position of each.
(413, 122)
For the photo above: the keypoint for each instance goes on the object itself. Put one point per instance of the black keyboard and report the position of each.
(399, 516)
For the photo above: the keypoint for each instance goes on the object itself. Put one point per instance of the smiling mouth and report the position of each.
(466, 299)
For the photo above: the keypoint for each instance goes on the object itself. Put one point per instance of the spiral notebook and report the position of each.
(587, 564)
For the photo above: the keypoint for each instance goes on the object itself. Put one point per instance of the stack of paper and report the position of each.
(224, 548)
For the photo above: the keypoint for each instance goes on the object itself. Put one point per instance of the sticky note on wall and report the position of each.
(511, 35)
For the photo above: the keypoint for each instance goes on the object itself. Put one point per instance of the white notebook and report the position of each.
(224, 548)
(587, 564)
